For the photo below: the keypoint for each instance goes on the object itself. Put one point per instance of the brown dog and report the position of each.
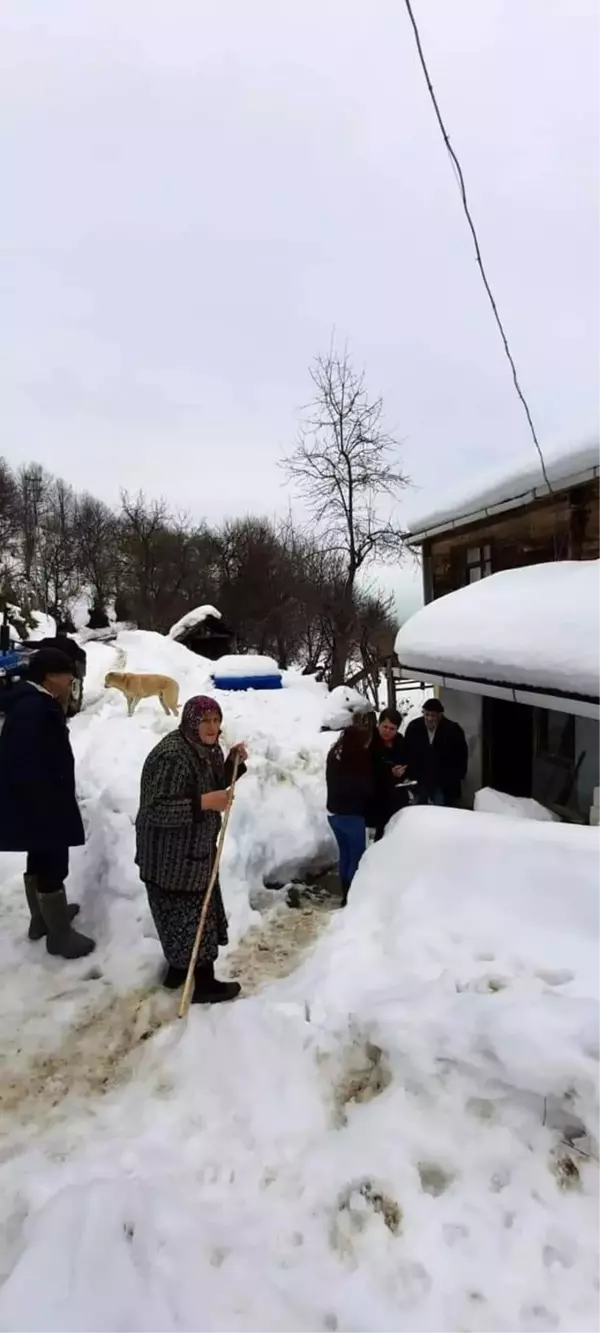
(136, 686)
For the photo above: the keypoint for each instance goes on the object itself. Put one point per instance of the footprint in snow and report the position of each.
(555, 976)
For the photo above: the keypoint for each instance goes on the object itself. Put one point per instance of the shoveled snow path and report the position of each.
(104, 1047)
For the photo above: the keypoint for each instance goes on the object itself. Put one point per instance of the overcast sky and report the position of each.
(194, 194)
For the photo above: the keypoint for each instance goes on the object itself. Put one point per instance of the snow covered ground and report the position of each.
(376, 1141)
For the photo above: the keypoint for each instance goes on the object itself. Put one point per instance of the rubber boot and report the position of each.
(345, 891)
(174, 977)
(62, 940)
(208, 990)
(37, 925)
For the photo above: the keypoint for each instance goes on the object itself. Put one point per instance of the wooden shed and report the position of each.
(204, 632)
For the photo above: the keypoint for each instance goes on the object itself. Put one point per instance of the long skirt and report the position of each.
(176, 917)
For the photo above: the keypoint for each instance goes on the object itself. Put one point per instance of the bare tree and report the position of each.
(142, 526)
(344, 466)
(33, 485)
(8, 511)
(55, 576)
(97, 554)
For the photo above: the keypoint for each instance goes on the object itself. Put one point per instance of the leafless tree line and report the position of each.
(292, 592)
(276, 587)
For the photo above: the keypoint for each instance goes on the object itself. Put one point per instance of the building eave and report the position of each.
(520, 501)
(580, 705)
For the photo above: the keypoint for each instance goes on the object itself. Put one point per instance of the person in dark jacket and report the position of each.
(437, 756)
(38, 806)
(78, 659)
(350, 791)
(184, 791)
(388, 754)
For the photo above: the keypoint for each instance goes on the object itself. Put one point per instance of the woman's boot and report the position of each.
(37, 925)
(208, 990)
(62, 940)
(174, 977)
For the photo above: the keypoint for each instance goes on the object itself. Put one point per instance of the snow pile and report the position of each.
(376, 1142)
(44, 627)
(537, 626)
(520, 482)
(193, 618)
(341, 706)
(245, 664)
(491, 802)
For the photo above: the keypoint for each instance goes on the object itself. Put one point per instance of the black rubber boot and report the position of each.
(345, 892)
(208, 990)
(174, 977)
(62, 941)
(37, 925)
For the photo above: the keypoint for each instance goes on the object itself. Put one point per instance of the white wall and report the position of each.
(587, 737)
(466, 709)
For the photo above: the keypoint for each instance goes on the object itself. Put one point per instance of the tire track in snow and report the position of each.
(102, 1050)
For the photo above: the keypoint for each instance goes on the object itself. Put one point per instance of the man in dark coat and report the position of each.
(38, 806)
(388, 753)
(437, 756)
(78, 659)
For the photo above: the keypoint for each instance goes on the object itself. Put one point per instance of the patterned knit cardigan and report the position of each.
(175, 839)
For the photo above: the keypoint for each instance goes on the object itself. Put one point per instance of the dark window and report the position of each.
(479, 562)
(555, 734)
(554, 758)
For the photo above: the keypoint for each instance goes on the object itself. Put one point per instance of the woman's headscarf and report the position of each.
(193, 712)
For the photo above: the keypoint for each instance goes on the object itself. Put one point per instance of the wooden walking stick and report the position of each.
(189, 981)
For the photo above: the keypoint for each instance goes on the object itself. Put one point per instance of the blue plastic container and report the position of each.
(246, 682)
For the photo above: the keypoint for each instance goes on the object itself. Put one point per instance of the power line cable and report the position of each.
(463, 192)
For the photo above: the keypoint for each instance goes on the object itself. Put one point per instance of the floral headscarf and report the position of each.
(193, 712)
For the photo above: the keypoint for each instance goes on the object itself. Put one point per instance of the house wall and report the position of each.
(587, 737)
(564, 526)
(465, 708)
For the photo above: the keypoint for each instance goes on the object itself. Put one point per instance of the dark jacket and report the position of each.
(38, 805)
(387, 796)
(350, 791)
(175, 838)
(438, 763)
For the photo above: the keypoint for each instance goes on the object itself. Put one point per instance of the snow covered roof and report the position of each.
(536, 628)
(192, 619)
(508, 488)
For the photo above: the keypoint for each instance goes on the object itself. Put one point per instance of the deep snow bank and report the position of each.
(361, 1146)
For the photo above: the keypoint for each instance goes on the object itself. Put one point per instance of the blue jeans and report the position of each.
(434, 797)
(351, 836)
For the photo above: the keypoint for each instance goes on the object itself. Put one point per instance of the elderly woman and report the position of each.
(184, 791)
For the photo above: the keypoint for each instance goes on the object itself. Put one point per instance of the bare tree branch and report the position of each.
(344, 466)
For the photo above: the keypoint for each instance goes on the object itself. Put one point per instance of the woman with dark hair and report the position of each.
(388, 754)
(349, 796)
(184, 791)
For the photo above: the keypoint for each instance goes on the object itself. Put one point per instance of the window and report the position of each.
(555, 735)
(479, 562)
(554, 766)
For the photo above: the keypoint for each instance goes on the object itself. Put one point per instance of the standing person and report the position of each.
(437, 756)
(388, 754)
(349, 798)
(78, 659)
(184, 791)
(38, 805)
